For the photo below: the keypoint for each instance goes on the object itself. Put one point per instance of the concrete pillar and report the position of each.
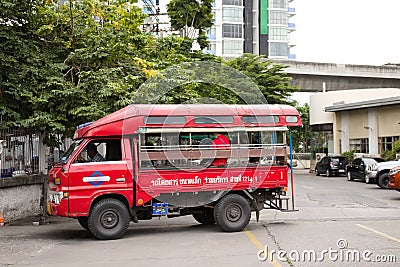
(256, 30)
(372, 132)
(42, 155)
(345, 131)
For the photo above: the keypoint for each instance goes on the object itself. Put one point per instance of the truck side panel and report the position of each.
(150, 184)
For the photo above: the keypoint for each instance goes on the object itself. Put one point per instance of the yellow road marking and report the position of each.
(253, 239)
(379, 233)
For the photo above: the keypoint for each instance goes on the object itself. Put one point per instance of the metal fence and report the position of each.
(20, 153)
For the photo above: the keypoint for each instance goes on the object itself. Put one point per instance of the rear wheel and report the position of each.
(349, 177)
(206, 216)
(108, 219)
(328, 173)
(383, 181)
(317, 172)
(232, 213)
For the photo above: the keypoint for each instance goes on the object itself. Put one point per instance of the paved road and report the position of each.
(363, 217)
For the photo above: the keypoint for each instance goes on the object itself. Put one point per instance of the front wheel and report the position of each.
(316, 172)
(349, 177)
(108, 219)
(383, 181)
(232, 213)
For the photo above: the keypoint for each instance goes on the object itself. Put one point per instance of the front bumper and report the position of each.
(57, 205)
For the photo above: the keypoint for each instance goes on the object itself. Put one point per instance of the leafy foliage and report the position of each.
(62, 65)
(349, 155)
(391, 154)
(302, 135)
(191, 17)
(270, 78)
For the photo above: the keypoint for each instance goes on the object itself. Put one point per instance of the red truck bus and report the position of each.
(146, 161)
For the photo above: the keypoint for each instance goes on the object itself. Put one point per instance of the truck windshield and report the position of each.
(67, 155)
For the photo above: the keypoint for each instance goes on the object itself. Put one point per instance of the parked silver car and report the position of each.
(380, 173)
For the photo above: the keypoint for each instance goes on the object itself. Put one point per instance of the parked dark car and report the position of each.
(357, 169)
(331, 165)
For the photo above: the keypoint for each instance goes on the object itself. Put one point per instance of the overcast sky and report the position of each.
(347, 31)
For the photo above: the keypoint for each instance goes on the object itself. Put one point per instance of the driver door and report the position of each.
(90, 179)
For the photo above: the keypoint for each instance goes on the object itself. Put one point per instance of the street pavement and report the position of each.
(337, 221)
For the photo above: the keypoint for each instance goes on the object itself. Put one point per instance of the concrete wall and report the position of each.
(371, 123)
(389, 121)
(22, 196)
(319, 101)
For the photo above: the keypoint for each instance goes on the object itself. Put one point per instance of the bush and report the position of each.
(389, 155)
(349, 155)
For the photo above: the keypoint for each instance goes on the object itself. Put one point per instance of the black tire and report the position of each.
(383, 180)
(317, 172)
(368, 180)
(206, 217)
(83, 221)
(108, 219)
(328, 173)
(350, 177)
(232, 213)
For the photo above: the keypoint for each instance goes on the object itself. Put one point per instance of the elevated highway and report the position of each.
(316, 77)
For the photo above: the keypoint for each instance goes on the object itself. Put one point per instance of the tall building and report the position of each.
(260, 27)
(252, 26)
(157, 21)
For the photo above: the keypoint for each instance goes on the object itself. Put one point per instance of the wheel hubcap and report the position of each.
(109, 219)
(386, 183)
(234, 213)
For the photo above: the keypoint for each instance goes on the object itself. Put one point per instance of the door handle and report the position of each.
(120, 180)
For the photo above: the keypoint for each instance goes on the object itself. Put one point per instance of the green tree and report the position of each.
(29, 70)
(391, 154)
(270, 78)
(103, 48)
(65, 64)
(302, 135)
(192, 18)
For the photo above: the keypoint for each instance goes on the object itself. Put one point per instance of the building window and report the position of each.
(232, 14)
(147, 10)
(386, 143)
(232, 47)
(232, 30)
(278, 17)
(232, 2)
(279, 34)
(278, 4)
(211, 32)
(359, 145)
(278, 49)
(212, 47)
